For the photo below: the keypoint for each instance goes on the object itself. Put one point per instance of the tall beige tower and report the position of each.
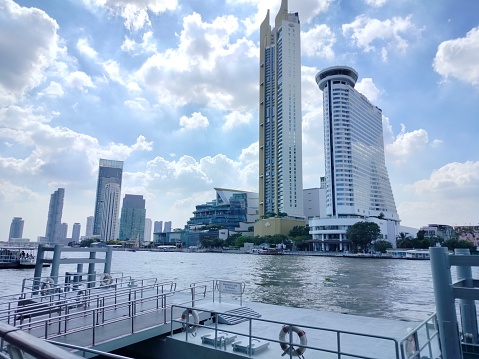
(280, 146)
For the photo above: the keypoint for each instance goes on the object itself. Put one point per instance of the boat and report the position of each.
(18, 257)
(414, 254)
(95, 313)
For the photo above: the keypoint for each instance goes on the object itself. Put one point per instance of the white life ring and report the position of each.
(106, 279)
(411, 346)
(47, 286)
(284, 343)
(190, 328)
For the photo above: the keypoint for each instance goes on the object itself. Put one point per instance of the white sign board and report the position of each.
(229, 287)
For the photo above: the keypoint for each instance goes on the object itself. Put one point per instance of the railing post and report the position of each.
(446, 310)
(467, 306)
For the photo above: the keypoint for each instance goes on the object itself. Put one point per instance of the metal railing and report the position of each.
(62, 315)
(422, 341)
(341, 337)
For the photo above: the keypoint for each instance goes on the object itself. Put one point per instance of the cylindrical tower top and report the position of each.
(341, 73)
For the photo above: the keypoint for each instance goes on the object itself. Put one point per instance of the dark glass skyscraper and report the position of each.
(16, 228)
(54, 221)
(133, 213)
(109, 171)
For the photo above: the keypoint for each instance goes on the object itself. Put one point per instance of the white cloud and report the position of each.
(147, 45)
(459, 58)
(134, 12)
(53, 90)
(367, 87)
(318, 41)
(450, 179)
(30, 47)
(401, 148)
(196, 121)
(205, 68)
(138, 104)
(376, 3)
(368, 33)
(236, 119)
(112, 69)
(79, 80)
(84, 47)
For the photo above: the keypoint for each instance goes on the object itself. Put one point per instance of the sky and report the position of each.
(170, 87)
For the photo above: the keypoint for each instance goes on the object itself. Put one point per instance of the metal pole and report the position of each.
(108, 256)
(38, 266)
(468, 306)
(57, 252)
(91, 271)
(446, 310)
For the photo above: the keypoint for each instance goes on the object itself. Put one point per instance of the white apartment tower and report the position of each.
(357, 181)
(280, 151)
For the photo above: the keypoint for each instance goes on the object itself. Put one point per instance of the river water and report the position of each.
(387, 288)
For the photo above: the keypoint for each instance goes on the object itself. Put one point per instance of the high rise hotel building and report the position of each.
(357, 181)
(280, 151)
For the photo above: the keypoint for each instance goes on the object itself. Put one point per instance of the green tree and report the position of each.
(452, 244)
(381, 246)
(363, 233)
(298, 231)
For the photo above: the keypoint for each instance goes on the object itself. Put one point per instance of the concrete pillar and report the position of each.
(446, 310)
(468, 306)
(108, 256)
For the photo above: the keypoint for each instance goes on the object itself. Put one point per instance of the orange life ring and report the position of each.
(287, 349)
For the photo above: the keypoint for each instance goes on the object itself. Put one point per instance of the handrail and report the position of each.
(97, 314)
(250, 335)
(32, 345)
(89, 350)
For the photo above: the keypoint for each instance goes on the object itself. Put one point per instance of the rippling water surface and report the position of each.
(388, 288)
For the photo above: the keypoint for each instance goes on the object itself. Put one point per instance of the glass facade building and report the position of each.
(133, 214)
(109, 172)
(229, 209)
(16, 228)
(53, 232)
(280, 131)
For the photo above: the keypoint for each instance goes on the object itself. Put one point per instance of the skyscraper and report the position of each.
(89, 227)
(109, 214)
(280, 131)
(147, 235)
(54, 221)
(167, 227)
(357, 181)
(16, 228)
(133, 213)
(109, 172)
(63, 231)
(76, 232)
(158, 227)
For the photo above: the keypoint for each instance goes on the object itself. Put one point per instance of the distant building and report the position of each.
(167, 227)
(89, 227)
(63, 231)
(147, 234)
(229, 209)
(158, 227)
(55, 210)
(76, 232)
(109, 216)
(16, 228)
(357, 181)
(110, 174)
(132, 222)
(314, 201)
